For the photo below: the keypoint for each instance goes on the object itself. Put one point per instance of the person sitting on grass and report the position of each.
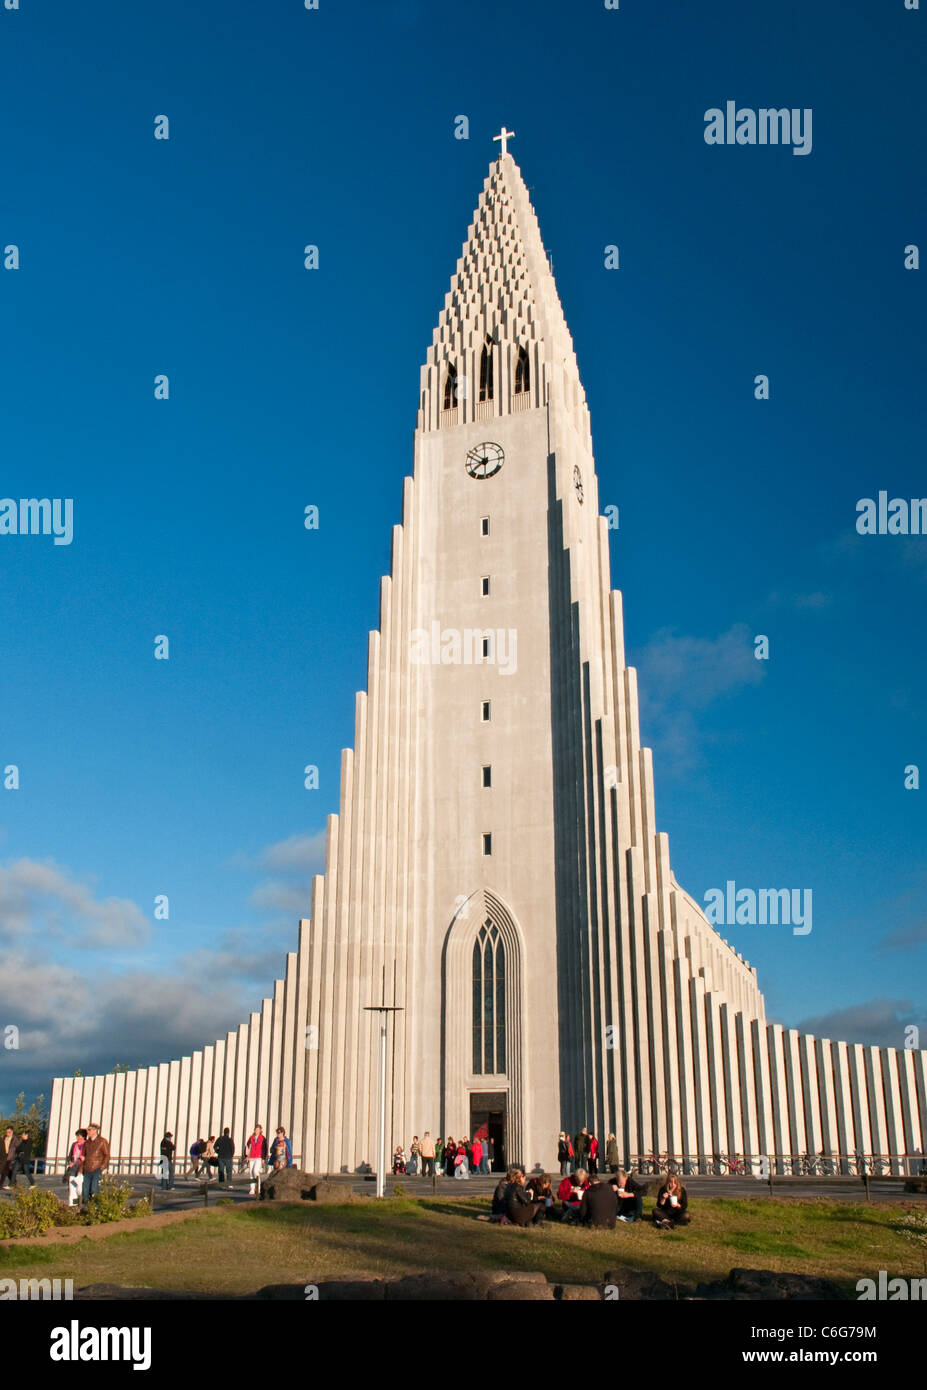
(573, 1199)
(599, 1206)
(521, 1206)
(630, 1196)
(500, 1195)
(672, 1204)
(543, 1192)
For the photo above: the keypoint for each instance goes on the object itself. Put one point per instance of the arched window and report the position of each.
(450, 387)
(486, 373)
(488, 1001)
(522, 372)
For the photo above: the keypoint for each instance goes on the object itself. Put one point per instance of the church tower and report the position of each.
(494, 870)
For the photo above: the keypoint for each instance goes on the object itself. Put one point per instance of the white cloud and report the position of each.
(40, 898)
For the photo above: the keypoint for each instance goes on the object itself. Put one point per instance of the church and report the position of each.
(495, 874)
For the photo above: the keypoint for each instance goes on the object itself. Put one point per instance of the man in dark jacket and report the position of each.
(581, 1147)
(167, 1160)
(225, 1152)
(22, 1158)
(599, 1206)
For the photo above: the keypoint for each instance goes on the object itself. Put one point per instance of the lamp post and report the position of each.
(382, 1010)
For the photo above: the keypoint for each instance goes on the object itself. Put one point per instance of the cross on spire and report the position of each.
(505, 136)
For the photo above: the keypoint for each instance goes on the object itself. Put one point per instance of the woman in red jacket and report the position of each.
(256, 1154)
(593, 1154)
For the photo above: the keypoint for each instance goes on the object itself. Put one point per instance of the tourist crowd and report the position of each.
(445, 1157)
(582, 1195)
(89, 1156)
(586, 1199)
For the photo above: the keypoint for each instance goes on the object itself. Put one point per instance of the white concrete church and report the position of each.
(495, 870)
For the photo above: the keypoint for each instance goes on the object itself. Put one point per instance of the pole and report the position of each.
(381, 1131)
(384, 1010)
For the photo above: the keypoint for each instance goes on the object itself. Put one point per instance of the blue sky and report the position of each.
(288, 387)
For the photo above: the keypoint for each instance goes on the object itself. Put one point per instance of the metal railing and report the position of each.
(148, 1165)
(782, 1165)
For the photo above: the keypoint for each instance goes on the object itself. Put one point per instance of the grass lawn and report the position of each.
(235, 1250)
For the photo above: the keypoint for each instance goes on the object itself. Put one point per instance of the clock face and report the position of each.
(578, 483)
(483, 460)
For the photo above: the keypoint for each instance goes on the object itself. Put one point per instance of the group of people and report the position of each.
(446, 1157)
(88, 1160)
(89, 1156)
(583, 1151)
(216, 1156)
(585, 1199)
(15, 1157)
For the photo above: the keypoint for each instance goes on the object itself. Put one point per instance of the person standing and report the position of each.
(485, 1160)
(461, 1162)
(491, 1146)
(225, 1152)
(210, 1158)
(168, 1149)
(95, 1162)
(565, 1154)
(450, 1154)
(414, 1151)
(428, 1155)
(476, 1154)
(256, 1154)
(75, 1158)
(7, 1155)
(612, 1158)
(593, 1154)
(581, 1147)
(23, 1158)
(281, 1150)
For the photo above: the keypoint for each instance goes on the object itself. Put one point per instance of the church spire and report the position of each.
(502, 343)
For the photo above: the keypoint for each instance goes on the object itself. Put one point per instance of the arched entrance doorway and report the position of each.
(483, 1026)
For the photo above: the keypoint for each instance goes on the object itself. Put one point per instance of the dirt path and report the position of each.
(67, 1235)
